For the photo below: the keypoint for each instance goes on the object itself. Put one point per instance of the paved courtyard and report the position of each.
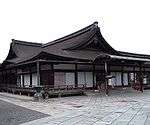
(124, 107)
(11, 114)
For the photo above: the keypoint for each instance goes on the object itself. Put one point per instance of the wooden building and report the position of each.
(81, 58)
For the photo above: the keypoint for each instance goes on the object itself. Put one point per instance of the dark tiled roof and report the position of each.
(75, 45)
(85, 44)
(22, 51)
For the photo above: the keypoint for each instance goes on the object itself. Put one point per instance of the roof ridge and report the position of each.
(83, 30)
(26, 43)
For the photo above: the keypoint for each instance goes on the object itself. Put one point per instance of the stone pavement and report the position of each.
(120, 108)
(11, 114)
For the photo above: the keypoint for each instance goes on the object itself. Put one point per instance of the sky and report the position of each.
(125, 24)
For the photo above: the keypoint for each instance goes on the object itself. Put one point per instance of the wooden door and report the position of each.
(47, 78)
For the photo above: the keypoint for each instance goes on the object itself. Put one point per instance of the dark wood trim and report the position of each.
(141, 78)
(30, 75)
(52, 68)
(134, 74)
(38, 72)
(93, 74)
(129, 79)
(122, 76)
(76, 75)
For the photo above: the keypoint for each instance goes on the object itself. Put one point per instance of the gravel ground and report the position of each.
(11, 114)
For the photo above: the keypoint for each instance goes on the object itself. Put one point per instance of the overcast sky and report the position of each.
(125, 24)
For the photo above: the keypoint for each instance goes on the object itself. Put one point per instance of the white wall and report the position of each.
(26, 80)
(117, 80)
(81, 77)
(34, 79)
(70, 79)
(89, 79)
(144, 80)
(85, 78)
(125, 78)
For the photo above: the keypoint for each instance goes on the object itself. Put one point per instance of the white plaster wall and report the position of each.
(113, 80)
(144, 80)
(34, 79)
(81, 77)
(70, 79)
(21, 80)
(86, 78)
(117, 80)
(89, 79)
(125, 78)
(26, 80)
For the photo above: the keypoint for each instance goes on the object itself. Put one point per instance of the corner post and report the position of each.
(38, 73)
(30, 72)
(122, 76)
(141, 78)
(76, 75)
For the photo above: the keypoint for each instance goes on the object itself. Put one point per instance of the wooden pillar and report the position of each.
(52, 69)
(122, 76)
(76, 75)
(129, 84)
(134, 74)
(30, 72)
(106, 80)
(141, 78)
(93, 74)
(38, 73)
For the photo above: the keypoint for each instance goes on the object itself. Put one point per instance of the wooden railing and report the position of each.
(14, 88)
